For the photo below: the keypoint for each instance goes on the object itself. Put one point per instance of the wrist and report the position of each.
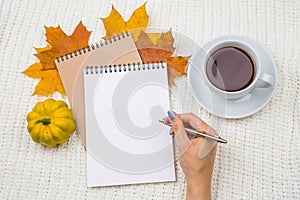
(198, 189)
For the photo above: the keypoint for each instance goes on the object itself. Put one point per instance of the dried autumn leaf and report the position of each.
(42, 48)
(176, 67)
(150, 52)
(35, 71)
(60, 44)
(166, 41)
(160, 48)
(50, 80)
(144, 41)
(153, 37)
(114, 24)
(49, 83)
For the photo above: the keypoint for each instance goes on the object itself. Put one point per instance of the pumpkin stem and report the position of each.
(45, 121)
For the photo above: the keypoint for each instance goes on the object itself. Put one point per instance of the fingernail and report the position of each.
(170, 131)
(171, 115)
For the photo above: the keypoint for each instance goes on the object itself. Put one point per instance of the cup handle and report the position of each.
(265, 81)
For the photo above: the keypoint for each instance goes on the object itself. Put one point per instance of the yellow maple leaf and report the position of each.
(114, 24)
(42, 48)
(154, 37)
(50, 80)
(59, 44)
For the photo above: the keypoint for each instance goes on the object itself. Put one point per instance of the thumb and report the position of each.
(182, 140)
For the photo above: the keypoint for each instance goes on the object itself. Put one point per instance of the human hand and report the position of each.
(196, 155)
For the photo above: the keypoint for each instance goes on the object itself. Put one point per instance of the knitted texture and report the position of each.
(261, 160)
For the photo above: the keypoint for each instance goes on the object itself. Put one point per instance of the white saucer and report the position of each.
(236, 108)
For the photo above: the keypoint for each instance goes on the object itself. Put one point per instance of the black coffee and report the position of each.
(230, 69)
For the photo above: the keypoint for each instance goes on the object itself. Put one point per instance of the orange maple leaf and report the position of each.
(62, 44)
(114, 24)
(154, 47)
(59, 44)
(176, 67)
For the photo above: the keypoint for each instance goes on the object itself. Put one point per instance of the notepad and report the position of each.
(116, 50)
(125, 142)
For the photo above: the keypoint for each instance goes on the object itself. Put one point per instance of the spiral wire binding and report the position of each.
(93, 47)
(123, 68)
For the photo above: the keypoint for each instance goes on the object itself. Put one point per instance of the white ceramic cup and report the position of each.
(260, 80)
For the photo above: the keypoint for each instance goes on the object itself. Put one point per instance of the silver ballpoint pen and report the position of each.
(200, 133)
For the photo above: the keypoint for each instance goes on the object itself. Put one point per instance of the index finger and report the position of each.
(197, 123)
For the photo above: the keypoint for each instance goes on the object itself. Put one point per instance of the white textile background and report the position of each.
(261, 160)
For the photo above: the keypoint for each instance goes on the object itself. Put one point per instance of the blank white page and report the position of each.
(125, 142)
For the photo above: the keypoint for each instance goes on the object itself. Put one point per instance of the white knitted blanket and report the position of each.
(262, 158)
